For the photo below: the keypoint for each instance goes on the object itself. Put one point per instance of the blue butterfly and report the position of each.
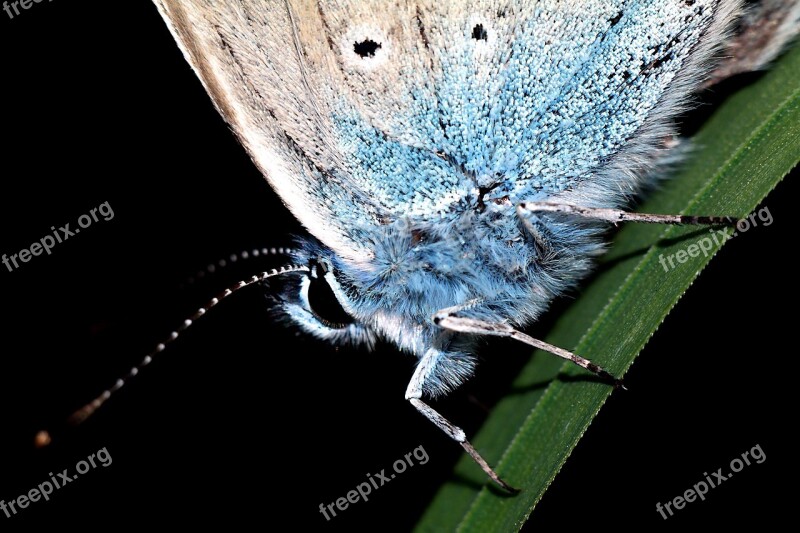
(455, 163)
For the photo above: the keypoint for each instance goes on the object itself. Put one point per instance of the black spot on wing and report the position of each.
(366, 48)
(479, 33)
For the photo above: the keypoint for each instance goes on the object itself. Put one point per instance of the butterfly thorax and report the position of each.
(483, 259)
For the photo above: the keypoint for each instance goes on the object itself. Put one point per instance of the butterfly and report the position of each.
(455, 164)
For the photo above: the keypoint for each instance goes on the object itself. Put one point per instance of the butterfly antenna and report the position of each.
(213, 268)
(43, 438)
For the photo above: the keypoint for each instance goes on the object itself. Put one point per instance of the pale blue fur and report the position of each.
(574, 115)
(415, 281)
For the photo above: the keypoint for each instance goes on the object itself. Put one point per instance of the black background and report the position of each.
(243, 421)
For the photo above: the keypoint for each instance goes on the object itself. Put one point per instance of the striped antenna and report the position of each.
(43, 437)
(213, 268)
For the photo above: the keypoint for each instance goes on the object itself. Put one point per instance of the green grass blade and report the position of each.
(750, 143)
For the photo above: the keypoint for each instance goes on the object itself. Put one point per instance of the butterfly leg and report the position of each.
(616, 215)
(448, 319)
(414, 396)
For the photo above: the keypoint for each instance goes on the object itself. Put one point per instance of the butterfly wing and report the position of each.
(358, 117)
(528, 99)
(250, 59)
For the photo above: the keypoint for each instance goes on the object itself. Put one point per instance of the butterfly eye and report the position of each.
(479, 33)
(366, 48)
(322, 302)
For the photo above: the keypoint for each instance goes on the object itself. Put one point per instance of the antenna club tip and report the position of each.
(42, 439)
